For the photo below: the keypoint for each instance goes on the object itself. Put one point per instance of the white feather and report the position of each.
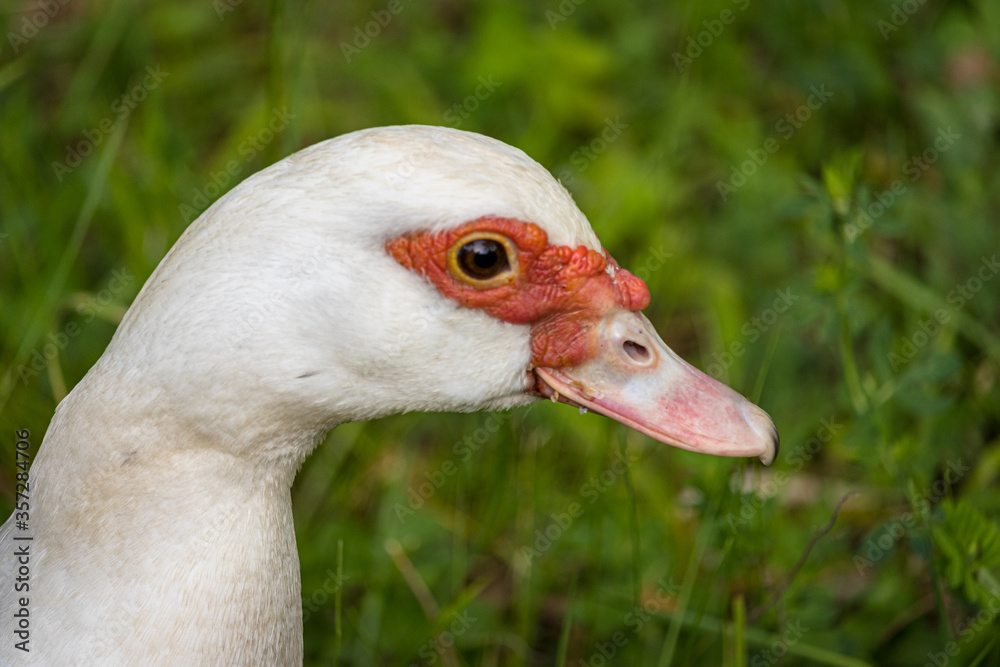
(160, 496)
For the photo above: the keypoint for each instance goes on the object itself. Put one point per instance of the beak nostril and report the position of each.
(636, 352)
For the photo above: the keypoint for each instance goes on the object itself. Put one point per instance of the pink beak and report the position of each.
(634, 378)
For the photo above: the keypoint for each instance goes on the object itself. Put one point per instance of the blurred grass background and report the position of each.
(810, 190)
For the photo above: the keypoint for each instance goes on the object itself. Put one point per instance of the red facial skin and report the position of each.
(562, 292)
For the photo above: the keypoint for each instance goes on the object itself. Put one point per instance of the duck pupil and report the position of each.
(484, 258)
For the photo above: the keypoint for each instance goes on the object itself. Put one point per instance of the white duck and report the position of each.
(385, 271)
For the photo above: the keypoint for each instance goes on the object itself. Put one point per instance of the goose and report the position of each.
(389, 270)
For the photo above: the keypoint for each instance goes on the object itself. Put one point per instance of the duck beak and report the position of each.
(634, 378)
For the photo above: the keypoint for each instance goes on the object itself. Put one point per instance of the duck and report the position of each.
(388, 270)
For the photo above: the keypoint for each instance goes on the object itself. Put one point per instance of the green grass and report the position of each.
(880, 365)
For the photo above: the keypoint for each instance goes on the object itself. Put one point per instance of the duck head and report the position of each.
(422, 268)
(385, 271)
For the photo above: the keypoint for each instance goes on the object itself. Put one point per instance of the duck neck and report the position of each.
(150, 529)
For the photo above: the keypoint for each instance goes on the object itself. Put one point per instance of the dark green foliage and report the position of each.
(811, 193)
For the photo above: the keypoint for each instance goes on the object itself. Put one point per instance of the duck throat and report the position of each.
(158, 550)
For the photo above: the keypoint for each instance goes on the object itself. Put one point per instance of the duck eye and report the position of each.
(483, 260)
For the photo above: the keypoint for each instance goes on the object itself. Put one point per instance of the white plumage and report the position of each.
(160, 496)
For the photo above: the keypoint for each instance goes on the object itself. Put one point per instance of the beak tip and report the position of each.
(765, 429)
(770, 454)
